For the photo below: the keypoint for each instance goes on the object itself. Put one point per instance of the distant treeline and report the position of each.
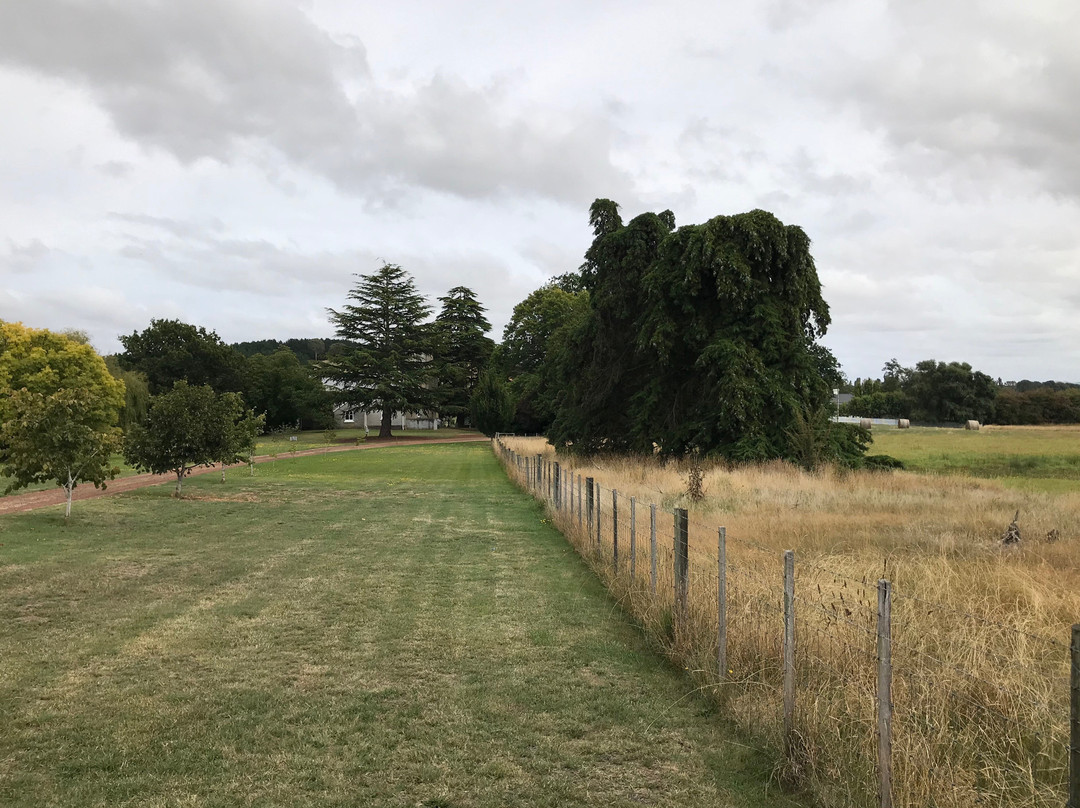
(951, 392)
(307, 350)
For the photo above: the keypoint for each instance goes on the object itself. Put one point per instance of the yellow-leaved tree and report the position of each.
(59, 407)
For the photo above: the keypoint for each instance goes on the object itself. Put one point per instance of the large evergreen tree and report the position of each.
(390, 369)
(462, 349)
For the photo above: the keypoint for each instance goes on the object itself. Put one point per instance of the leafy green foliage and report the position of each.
(932, 391)
(491, 406)
(535, 342)
(58, 410)
(191, 426)
(390, 368)
(701, 338)
(169, 351)
(286, 392)
(461, 349)
(59, 438)
(43, 362)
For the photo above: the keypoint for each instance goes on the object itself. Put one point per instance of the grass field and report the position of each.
(980, 631)
(394, 627)
(1033, 457)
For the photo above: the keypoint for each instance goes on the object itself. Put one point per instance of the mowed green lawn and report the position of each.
(390, 627)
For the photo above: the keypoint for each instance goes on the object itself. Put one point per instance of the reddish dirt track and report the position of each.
(55, 496)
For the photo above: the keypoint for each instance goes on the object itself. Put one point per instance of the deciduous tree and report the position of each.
(169, 351)
(58, 410)
(190, 426)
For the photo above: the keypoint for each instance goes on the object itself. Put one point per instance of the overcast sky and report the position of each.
(231, 163)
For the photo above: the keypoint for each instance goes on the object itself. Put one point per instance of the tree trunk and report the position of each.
(179, 481)
(387, 416)
(69, 488)
(222, 472)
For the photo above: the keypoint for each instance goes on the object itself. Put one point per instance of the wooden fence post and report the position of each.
(557, 485)
(599, 542)
(682, 564)
(590, 501)
(721, 603)
(884, 692)
(652, 546)
(789, 650)
(537, 478)
(633, 538)
(579, 517)
(615, 529)
(1074, 719)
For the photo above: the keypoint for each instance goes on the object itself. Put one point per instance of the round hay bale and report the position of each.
(903, 423)
(972, 425)
(866, 423)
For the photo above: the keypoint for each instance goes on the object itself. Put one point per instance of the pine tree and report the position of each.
(461, 349)
(390, 369)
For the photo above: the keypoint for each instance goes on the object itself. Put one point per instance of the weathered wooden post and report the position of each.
(538, 478)
(789, 650)
(1074, 719)
(557, 485)
(633, 538)
(615, 529)
(652, 546)
(590, 501)
(599, 543)
(682, 565)
(579, 508)
(884, 692)
(721, 603)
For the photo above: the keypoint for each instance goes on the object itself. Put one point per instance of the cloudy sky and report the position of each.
(231, 163)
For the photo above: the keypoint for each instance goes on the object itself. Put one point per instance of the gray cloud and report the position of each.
(976, 89)
(210, 78)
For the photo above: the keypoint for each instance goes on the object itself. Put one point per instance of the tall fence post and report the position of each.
(633, 538)
(884, 692)
(599, 542)
(1074, 719)
(557, 482)
(721, 603)
(590, 502)
(536, 476)
(652, 546)
(615, 529)
(682, 564)
(789, 650)
(579, 509)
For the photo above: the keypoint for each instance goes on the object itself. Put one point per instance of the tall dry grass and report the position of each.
(980, 631)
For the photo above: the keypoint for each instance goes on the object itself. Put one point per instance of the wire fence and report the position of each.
(864, 693)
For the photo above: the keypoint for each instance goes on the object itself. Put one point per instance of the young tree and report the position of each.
(235, 430)
(170, 351)
(56, 438)
(390, 368)
(187, 427)
(461, 350)
(58, 410)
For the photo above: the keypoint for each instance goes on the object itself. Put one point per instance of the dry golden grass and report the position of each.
(980, 631)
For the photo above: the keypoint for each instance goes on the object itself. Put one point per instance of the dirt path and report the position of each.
(55, 496)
